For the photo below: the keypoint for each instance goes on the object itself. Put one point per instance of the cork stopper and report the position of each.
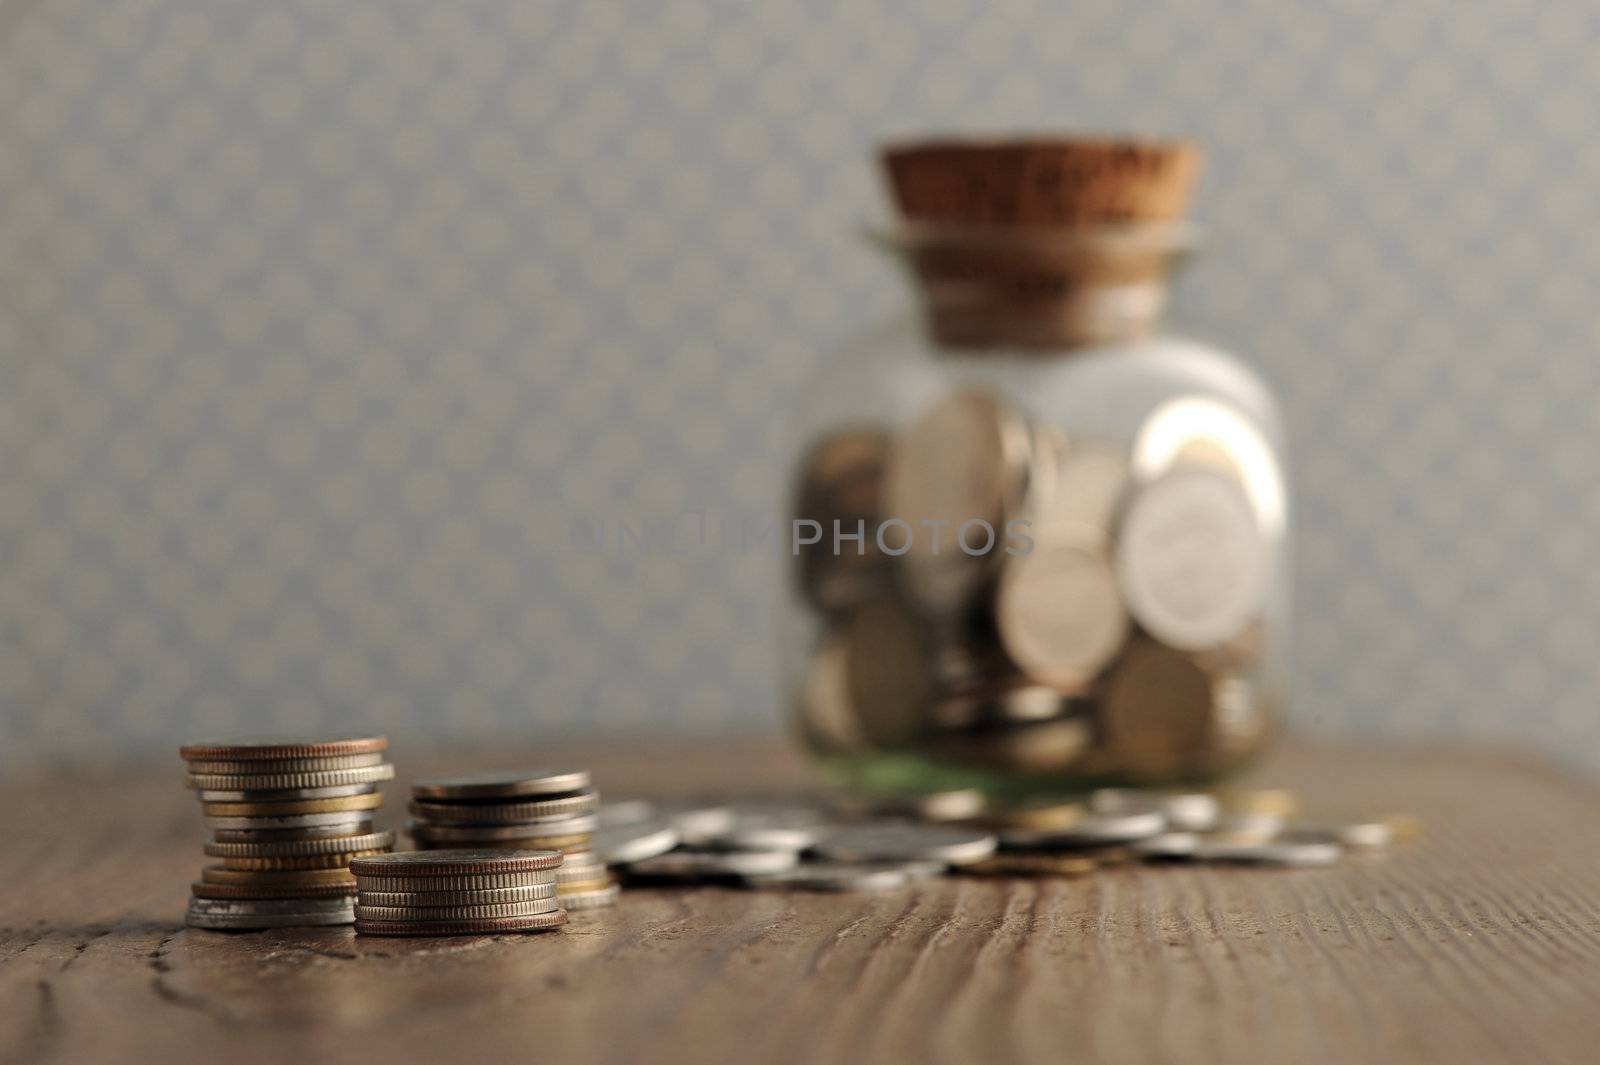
(1042, 181)
(1038, 242)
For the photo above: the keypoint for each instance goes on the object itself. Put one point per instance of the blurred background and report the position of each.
(342, 345)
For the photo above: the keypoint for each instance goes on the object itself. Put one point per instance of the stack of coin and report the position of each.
(1036, 605)
(525, 809)
(287, 817)
(457, 892)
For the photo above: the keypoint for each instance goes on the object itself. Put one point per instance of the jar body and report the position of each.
(1035, 570)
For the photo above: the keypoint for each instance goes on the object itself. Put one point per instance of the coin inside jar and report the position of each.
(1158, 711)
(964, 462)
(1191, 559)
(1192, 428)
(887, 672)
(1059, 611)
(841, 485)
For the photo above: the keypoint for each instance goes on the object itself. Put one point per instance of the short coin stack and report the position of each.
(537, 809)
(286, 816)
(457, 892)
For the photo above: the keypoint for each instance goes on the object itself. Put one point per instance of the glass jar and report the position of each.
(1035, 545)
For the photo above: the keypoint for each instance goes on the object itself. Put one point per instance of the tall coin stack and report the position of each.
(457, 892)
(286, 819)
(528, 809)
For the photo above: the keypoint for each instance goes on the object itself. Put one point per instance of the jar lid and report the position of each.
(1041, 181)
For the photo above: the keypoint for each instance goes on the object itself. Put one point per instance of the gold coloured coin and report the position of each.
(293, 807)
(1016, 863)
(253, 749)
(346, 845)
(217, 874)
(537, 922)
(1038, 815)
(303, 861)
(578, 887)
(1270, 802)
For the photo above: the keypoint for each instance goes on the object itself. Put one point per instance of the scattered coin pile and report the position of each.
(457, 892)
(286, 817)
(814, 846)
(1032, 604)
(531, 809)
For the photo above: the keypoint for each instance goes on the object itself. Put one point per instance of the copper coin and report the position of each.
(886, 672)
(1158, 711)
(253, 749)
(454, 863)
(537, 922)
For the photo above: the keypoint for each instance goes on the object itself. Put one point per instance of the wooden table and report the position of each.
(1478, 943)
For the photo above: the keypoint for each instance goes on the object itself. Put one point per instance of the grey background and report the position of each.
(321, 322)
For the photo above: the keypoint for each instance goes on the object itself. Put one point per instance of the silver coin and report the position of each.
(770, 827)
(624, 843)
(1186, 811)
(502, 784)
(1249, 827)
(1192, 559)
(282, 835)
(202, 917)
(484, 897)
(904, 841)
(702, 864)
(1272, 853)
(625, 812)
(591, 900)
(508, 812)
(268, 907)
(1166, 845)
(836, 876)
(1369, 835)
(957, 804)
(695, 821)
(355, 820)
(468, 834)
(366, 911)
(552, 826)
(1093, 830)
(338, 791)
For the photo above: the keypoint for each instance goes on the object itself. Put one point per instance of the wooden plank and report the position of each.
(1478, 943)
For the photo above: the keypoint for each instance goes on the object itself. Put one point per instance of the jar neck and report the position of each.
(1045, 291)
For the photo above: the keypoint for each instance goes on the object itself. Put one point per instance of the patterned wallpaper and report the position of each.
(321, 324)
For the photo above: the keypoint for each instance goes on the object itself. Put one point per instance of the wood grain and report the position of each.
(1478, 943)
